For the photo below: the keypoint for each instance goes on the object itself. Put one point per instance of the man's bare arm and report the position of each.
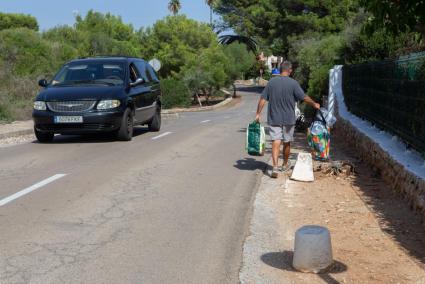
(310, 101)
(260, 107)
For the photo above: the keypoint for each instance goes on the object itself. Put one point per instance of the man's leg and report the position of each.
(276, 136)
(288, 137)
(286, 152)
(275, 152)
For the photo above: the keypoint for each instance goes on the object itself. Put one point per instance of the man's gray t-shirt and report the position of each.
(282, 93)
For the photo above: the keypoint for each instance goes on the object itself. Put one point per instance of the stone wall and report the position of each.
(408, 185)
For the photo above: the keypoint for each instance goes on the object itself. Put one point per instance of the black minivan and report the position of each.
(101, 94)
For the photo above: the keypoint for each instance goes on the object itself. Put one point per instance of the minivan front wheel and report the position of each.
(43, 137)
(125, 133)
(155, 123)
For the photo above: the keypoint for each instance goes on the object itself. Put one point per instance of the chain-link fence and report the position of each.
(390, 94)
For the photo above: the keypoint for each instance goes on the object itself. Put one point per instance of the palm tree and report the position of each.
(210, 3)
(174, 6)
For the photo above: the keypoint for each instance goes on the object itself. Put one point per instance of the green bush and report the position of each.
(239, 61)
(11, 21)
(315, 59)
(174, 94)
(5, 114)
(175, 40)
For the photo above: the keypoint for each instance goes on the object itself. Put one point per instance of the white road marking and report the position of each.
(162, 135)
(205, 121)
(30, 189)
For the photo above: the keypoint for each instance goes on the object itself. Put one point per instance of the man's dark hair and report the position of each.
(285, 66)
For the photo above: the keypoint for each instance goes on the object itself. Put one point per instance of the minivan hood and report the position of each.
(81, 93)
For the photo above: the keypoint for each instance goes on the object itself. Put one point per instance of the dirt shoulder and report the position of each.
(376, 238)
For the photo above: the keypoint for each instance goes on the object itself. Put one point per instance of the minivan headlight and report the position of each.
(108, 104)
(40, 105)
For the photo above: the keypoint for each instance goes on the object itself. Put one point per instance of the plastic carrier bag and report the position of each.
(255, 139)
(319, 138)
(324, 114)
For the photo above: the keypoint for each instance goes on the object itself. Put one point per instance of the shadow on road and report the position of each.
(283, 260)
(92, 138)
(250, 164)
(248, 89)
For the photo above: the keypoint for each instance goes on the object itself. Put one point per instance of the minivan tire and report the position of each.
(155, 123)
(125, 133)
(43, 137)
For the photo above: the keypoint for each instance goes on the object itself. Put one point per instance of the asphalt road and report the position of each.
(167, 207)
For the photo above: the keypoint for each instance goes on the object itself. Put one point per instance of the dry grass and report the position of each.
(16, 96)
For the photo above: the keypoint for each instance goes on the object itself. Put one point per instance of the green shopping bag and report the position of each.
(255, 139)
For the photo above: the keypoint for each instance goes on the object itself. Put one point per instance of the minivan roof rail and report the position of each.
(108, 56)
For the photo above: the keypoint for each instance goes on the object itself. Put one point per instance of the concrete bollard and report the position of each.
(312, 249)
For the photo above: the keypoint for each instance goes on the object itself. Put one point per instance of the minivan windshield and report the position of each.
(90, 73)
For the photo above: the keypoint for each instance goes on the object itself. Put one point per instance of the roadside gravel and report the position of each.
(11, 141)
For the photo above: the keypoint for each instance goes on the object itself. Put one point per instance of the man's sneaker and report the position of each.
(286, 167)
(275, 172)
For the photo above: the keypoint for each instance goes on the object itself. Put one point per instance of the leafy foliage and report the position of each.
(21, 48)
(174, 41)
(174, 93)
(396, 16)
(315, 59)
(11, 21)
(192, 59)
(239, 61)
(206, 72)
(275, 21)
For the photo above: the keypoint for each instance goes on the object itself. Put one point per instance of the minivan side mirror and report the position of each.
(43, 83)
(139, 81)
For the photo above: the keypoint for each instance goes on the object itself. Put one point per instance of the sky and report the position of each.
(139, 13)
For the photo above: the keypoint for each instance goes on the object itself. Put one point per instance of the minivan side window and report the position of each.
(153, 74)
(143, 72)
(134, 73)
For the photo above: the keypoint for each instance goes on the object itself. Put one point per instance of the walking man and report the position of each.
(282, 92)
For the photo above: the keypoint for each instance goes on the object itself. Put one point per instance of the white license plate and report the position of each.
(68, 119)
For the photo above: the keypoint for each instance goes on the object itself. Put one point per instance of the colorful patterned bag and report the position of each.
(255, 139)
(319, 139)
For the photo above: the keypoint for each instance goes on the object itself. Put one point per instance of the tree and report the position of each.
(11, 21)
(206, 71)
(108, 24)
(315, 58)
(239, 62)
(276, 21)
(174, 41)
(174, 6)
(397, 16)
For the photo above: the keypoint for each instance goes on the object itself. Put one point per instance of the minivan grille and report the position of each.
(71, 106)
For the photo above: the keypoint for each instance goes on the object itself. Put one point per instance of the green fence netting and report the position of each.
(390, 94)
